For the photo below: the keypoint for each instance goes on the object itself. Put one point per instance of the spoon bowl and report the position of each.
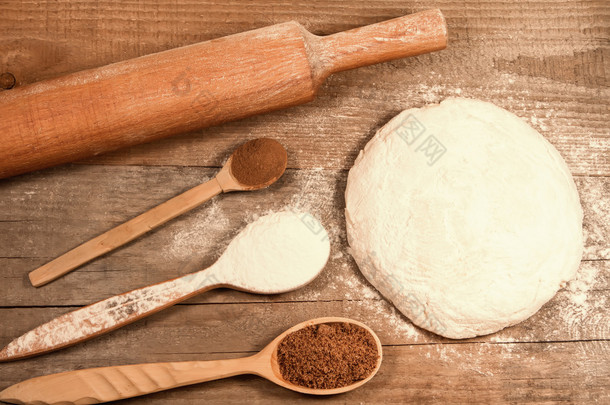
(95, 385)
(269, 356)
(254, 165)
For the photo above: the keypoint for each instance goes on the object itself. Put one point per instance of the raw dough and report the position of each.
(464, 217)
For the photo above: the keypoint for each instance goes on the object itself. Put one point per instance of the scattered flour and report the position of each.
(454, 355)
(537, 122)
(578, 288)
(200, 233)
(478, 357)
(503, 88)
(315, 193)
(575, 307)
(437, 92)
(379, 309)
(399, 324)
(357, 289)
(498, 337)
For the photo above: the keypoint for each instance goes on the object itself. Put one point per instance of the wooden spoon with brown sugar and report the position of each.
(254, 165)
(95, 385)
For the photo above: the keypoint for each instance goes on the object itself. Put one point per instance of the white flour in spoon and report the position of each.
(278, 252)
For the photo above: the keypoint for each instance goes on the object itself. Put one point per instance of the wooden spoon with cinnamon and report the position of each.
(254, 165)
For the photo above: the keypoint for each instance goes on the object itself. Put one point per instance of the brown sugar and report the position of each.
(329, 355)
(258, 162)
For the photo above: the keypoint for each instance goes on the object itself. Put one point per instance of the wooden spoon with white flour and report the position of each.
(277, 253)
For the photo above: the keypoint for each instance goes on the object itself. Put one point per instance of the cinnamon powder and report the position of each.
(258, 162)
(329, 355)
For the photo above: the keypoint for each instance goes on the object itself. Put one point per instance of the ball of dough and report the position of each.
(464, 217)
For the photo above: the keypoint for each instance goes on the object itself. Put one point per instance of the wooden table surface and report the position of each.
(546, 61)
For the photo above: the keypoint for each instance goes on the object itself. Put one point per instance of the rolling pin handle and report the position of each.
(410, 35)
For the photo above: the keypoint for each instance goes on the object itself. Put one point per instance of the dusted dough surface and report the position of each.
(464, 217)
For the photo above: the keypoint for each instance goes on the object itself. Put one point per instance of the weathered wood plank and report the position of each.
(46, 213)
(330, 131)
(440, 371)
(551, 71)
(42, 215)
(544, 60)
(577, 313)
(63, 36)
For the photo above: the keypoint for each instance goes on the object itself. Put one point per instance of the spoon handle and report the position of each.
(107, 315)
(125, 232)
(95, 385)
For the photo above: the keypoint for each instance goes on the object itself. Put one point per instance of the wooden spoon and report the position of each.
(264, 258)
(254, 165)
(95, 385)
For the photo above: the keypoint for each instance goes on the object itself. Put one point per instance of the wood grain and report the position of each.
(532, 59)
(461, 371)
(546, 61)
(41, 219)
(138, 100)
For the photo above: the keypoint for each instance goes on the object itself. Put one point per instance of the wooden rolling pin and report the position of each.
(184, 89)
